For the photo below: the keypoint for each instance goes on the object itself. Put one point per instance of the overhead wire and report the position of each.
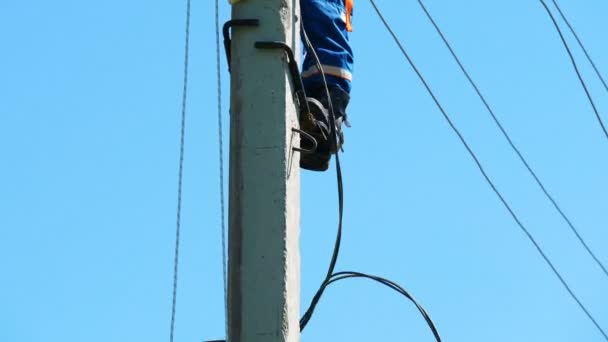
(332, 277)
(582, 46)
(485, 175)
(180, 171)
(576, 69)
(220, 132)
(510, 141)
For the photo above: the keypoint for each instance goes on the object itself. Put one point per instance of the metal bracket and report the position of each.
(310, 138)
(298, 84)
(227, 41)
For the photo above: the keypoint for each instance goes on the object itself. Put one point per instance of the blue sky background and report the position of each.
(89, 120)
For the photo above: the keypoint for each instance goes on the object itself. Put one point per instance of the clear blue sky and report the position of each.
(89, 121)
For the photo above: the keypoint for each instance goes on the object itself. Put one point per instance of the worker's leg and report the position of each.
(327, 23)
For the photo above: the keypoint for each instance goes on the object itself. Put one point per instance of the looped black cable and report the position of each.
(333, 136)
(332, 277)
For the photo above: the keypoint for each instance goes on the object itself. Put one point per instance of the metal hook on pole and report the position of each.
(226, 30)
(293, 70)
(308, 137)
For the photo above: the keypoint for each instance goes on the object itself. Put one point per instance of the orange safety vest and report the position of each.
(348, 4)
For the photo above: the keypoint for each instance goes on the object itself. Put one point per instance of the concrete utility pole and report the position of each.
(264, 258)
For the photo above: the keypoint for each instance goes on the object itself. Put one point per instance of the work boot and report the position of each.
(317, 124)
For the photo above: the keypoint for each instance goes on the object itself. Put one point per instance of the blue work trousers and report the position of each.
(327, 24)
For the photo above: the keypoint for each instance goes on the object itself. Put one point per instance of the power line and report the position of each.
(578, 74)
(510, 141)
(580, 43)
(483, 172)
(181, 170)
(221, 156)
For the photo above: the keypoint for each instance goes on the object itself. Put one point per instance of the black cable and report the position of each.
(346, 275)
(349, 274)
(332, 277)
(333, 135)
(485, 175)
(181, 170)
(580, 43)
(578, 73)
(510, 141)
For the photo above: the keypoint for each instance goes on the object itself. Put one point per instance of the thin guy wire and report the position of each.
(580, 43)
(221, 151)
(578, 73)
(513, 146)
(485, 175)
(181, 170)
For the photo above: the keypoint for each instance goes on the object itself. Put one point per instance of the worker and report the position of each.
(327, 24)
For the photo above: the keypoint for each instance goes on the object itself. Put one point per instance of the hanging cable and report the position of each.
(345, 275)
(578, 73)
(510, 141)
(333, 135)
(580, 43)
(485, 175)
(221, 156)
(332, 277)
(180, 170)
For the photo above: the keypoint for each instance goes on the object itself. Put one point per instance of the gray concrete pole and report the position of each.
(264, 258)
